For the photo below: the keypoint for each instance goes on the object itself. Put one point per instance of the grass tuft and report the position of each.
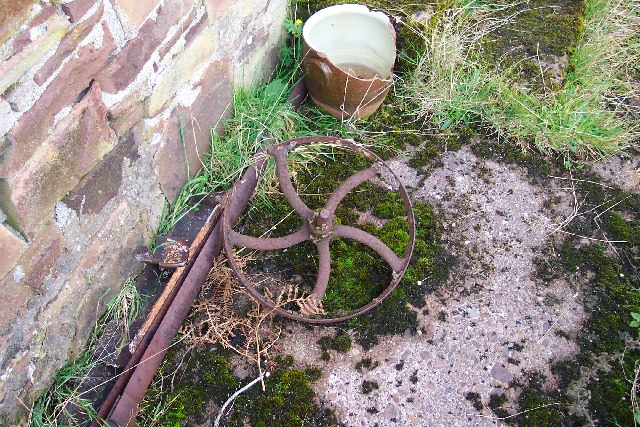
(591, 115)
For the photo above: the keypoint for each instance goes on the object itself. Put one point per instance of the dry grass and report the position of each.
(225, 314)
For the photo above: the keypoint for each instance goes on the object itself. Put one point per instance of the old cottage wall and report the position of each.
(92, 96)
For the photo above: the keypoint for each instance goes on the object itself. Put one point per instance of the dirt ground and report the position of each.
(492, 322)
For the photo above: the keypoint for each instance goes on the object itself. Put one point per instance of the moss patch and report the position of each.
(548, 30)
(205, 376)
(474, 398)
(608, 344)
(542, 407)
(340, 343)
(537, 166)
(288, 401)
(369, 386)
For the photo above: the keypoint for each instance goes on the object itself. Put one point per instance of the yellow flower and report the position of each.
(298, 21)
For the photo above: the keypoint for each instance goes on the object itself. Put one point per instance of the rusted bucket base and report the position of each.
(352, 113)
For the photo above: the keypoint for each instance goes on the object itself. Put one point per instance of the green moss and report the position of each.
(205, 376)
(288, 401)
(539, 29)
(395, 235)
(340, 342)
(358, 274)
(369, 386)
(611, 296)
(538, 168)
(366, 363)
(541, 407)
(389, 206)
(620, 229)
(474, 398)
(610, 402)
(496, 401)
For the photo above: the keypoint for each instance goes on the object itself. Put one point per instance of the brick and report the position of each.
(126, 65)
(206, 111)
(39, 260)
(69, 84)
(12, 14)
(168, 45)
(15, 67)
(68, 45)
(128, 112)
(215, 7)
(21, 40)
(196, 28)
(176, 76)
(62, 159)
(47, 12)
(103, 183)
(197, 120)
(10, 307)
(76, 9)
(11, 247)
(109, 270)
(133, 13)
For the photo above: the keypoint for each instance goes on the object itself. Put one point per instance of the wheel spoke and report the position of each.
(347, 185)
(324, 269)
(269, 243)
(287, 186)
(396, 263)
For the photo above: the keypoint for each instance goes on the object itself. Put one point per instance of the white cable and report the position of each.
(238, 393)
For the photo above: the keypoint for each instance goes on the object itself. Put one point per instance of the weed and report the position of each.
(67, 401)
(124, 308)
(589, 116)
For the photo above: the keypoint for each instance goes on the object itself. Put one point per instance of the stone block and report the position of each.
(59, 163)
(11, 247)
(127, 64)
(12, 14)
(39, 260)
(15, 67)
(8, 118)
(133, 13)
(68, 45)
(215, 7)
(76, 9)
(177, 40)
(123, 123)
(69, 85)
(177, 75)
(103, 183)
(196, 121)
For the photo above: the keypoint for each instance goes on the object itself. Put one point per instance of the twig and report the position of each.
(560, 316)
(610, 207)
(519, 413)
(238, 393)
(581, 180)
(591, 238)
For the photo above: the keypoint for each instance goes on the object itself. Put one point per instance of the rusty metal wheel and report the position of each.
(320, 228)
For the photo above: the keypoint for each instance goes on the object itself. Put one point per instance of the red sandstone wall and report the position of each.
(92, 93)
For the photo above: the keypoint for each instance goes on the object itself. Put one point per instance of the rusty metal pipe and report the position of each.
(123, 401)
(127, 407)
